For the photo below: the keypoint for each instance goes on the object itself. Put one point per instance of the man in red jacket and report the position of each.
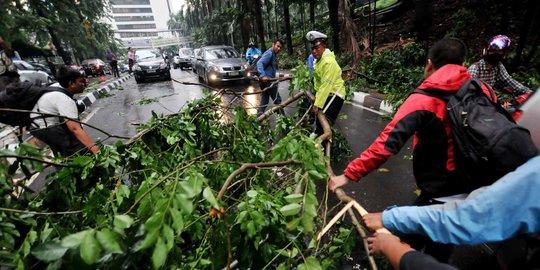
(425, 118)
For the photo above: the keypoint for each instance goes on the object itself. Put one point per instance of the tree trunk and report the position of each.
(269, 20)
(333, 6)
(259, 20)
(244, 24)
(348, 31)
(287, 18)
(531, 11)
(312, 4)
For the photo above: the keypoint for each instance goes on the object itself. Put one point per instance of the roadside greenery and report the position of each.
(152, 202)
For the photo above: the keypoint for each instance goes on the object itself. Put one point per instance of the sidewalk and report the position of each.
(8, 139)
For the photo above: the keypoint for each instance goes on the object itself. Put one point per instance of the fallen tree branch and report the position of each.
(247, 166)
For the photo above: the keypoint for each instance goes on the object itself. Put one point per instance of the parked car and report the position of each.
(184, 57)
(193, 60)
(42, 67)
(95, 67)
(79, 68)
(150, 64)
(220, 64)
(28, 73)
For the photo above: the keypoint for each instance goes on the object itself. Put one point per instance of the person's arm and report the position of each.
(388, 245)
(81, 135)
(474, 71)
(263, 62)
(407, 120)
(507, 81)
(401, 256)
(507, 208)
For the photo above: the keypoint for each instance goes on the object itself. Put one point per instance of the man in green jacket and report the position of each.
(329, 86)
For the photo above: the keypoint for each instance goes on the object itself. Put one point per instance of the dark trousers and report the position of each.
(130, 64)
(439, 251)
(114, 68)
(270, 93)
(332, 112)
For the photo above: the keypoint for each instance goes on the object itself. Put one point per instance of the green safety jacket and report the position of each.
(327, 79)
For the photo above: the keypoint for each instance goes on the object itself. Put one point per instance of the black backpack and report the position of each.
(489, 144)
(21, 96)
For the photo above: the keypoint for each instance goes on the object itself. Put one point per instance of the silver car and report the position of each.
(220, 64)
(28, 73)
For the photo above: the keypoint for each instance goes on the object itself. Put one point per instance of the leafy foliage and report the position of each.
(152, 202)
(393, 72)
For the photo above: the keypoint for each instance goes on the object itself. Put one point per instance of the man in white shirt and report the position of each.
(64, 135)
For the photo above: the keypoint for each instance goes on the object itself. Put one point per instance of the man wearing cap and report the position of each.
(328, 84)
(491, 70)
(267, 67)
(252, 52)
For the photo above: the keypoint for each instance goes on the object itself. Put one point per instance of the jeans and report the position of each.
(273, 93)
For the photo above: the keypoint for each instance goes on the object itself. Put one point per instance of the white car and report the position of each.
(28, 73)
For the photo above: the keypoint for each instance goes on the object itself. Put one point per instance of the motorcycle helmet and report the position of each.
(251, 44)
(499, 42)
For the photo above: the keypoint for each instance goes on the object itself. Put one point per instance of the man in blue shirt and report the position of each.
(252, 53)
(507, 208)
(267, 67)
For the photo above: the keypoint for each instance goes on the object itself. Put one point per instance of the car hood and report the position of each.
(150, 62)
(227, 62)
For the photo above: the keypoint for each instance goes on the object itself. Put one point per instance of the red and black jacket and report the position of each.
(426, 118)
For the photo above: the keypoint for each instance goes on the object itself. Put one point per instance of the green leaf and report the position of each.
(252, 193)
(108, 241)
(148, 241)
(294, 198)
(50, 251)
(154, 222)
(290, 209)
(209, 196)
(168, 234)
(310, 263)
(122, 222)
(74, 240)
(251, 230)
(90, 249)
(159, 256)
(178, 220)
(123, 192)
(293, 224)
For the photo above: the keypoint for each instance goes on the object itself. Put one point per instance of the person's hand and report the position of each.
(315, 110)
(373, 221)
(264, 79)
(379, 243)
(337, 181)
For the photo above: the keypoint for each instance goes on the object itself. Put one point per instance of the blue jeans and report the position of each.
(273, 93)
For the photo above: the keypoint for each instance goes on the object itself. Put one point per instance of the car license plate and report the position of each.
(151, 71)
(234, 73)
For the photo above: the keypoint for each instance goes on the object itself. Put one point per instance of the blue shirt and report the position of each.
(267, 65)
(250, 53)
(507, 208)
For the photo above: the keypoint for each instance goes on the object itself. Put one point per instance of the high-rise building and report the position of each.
(140, 19)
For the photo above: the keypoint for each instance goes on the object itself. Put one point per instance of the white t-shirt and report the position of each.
(56, 103)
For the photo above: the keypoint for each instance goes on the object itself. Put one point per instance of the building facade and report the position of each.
(136, 21)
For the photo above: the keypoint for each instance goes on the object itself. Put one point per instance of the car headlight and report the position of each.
(137, 67)
(213, 68)
(163, 65)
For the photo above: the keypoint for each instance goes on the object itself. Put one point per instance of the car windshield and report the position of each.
(147, 54)
(220, 53)
(187, 51)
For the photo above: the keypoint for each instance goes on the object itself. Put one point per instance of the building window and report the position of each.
(133, 18)
(130, 2)
(132, 10)
(137, 34)
(136, 26)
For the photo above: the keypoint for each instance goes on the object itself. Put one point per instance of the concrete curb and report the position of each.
(372, 102)
(91, 97)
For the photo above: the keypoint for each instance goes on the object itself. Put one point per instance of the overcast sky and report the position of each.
(176, 5)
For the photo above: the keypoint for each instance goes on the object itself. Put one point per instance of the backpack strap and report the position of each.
(444, 96)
